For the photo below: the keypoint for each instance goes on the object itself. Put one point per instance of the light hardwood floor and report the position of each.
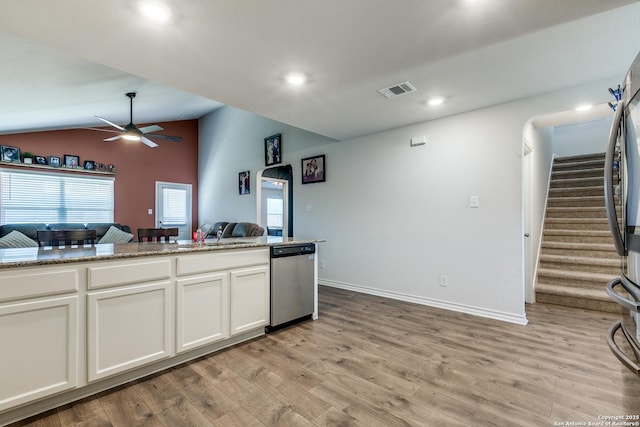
(370, 361)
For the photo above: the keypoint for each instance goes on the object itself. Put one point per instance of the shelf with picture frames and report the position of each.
(54, 168)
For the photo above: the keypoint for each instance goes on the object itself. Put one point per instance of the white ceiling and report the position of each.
(65, 61)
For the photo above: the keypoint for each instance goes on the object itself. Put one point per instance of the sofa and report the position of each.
(234, 229)
(31, 229)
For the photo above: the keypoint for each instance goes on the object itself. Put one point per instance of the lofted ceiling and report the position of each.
(65, 61)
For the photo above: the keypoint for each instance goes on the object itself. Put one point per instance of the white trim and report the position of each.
(461, 308)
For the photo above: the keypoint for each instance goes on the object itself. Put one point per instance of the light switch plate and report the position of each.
(474, 201)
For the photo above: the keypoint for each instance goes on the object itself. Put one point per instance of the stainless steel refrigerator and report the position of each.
(622, 194)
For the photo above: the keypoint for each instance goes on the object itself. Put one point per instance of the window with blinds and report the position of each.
(174, 206)
(27, 196)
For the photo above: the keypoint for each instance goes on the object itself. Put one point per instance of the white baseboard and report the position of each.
(461, 308)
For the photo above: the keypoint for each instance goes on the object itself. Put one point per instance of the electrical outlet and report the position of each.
(322, 264)
(444, 281)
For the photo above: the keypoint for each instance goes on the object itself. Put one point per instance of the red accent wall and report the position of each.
(138, 167)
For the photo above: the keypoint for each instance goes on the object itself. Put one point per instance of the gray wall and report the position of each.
(396, 218)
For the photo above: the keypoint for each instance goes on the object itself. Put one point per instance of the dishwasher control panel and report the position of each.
(291, 250)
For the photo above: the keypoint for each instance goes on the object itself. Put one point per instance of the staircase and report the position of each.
(577, 257)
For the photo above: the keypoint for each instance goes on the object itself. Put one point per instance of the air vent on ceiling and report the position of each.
(397, 89)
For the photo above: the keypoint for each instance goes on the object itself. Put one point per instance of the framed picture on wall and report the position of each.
(54, 161)
(71, 161)
(10, 154)
(244, 182)
(313, 169)
(273, 149)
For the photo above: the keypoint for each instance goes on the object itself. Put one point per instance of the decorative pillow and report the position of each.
(115, 235)
(16, 239)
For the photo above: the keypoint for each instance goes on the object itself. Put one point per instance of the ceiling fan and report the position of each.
(131, 132)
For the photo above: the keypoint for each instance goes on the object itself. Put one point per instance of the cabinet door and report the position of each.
(128, 327)
(39, 355)
(249, 299)
(202, 310)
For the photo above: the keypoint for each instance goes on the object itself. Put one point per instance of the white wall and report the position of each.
(581, 138)
(537, 183)
(397, 217)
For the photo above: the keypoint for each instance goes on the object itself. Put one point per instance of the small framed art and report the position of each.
(89, 165)
(54, 161)
(10, 154)
(40, 160)
(273, 150)
(313, 169)
(244, 182)
(71, 161)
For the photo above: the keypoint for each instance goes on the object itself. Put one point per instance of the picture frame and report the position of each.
(244, 182)
(54, 161)
(273, 149)
(40, 160)
(71, 161)
(10, 154)
(314, 169)
(89, 165)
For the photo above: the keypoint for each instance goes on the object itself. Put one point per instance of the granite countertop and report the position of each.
(19, 257)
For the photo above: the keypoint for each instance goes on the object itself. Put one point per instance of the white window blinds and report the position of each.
(174, 206)
(27, 196)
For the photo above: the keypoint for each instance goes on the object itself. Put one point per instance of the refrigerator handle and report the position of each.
(634, 367)
(609, 193)
(626, 303)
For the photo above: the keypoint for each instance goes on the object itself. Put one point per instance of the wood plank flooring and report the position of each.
(370, 361)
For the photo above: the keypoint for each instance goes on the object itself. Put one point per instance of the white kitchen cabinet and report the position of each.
(202, 310)
(249, 299)
(39, 349)
(128, 327)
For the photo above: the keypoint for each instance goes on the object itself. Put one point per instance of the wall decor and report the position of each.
(89, 165)
(313, 169)
(273, 149)
(71, 161)
(10, 154)
(54, 161)
(244, 182)
(40, 160)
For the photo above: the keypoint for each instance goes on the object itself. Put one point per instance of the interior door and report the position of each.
(173, 207)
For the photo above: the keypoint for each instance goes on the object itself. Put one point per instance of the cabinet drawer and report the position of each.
(218, 260)
(128, 273)
(34, 283)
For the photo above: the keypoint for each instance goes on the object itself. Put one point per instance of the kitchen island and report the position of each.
(79, 320)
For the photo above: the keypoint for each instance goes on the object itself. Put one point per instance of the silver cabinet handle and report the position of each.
(609, 193)
(626, 303)
(617, 352)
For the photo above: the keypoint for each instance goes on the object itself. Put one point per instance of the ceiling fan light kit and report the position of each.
(131, 132)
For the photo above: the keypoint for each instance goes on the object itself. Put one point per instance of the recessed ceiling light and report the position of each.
(584, 107)
(295, 79)
(435, 101)
(155, 11)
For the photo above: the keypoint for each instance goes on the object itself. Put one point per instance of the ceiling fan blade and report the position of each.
(100, 129)
(167, 137)
(147, 141)
(113, 138)
(152, 128)
(109, 122)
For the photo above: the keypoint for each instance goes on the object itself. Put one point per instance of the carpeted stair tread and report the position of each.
(576, 182)
(580, 246)
(596, 294)
(561, 232)
(580, 158)
(568, 259)
(577, 275)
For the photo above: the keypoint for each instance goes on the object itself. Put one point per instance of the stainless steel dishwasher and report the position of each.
(291, 284)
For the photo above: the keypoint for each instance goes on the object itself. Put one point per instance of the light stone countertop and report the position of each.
(28, 257)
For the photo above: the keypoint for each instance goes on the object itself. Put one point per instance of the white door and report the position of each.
(529, 253)
(173, 207)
